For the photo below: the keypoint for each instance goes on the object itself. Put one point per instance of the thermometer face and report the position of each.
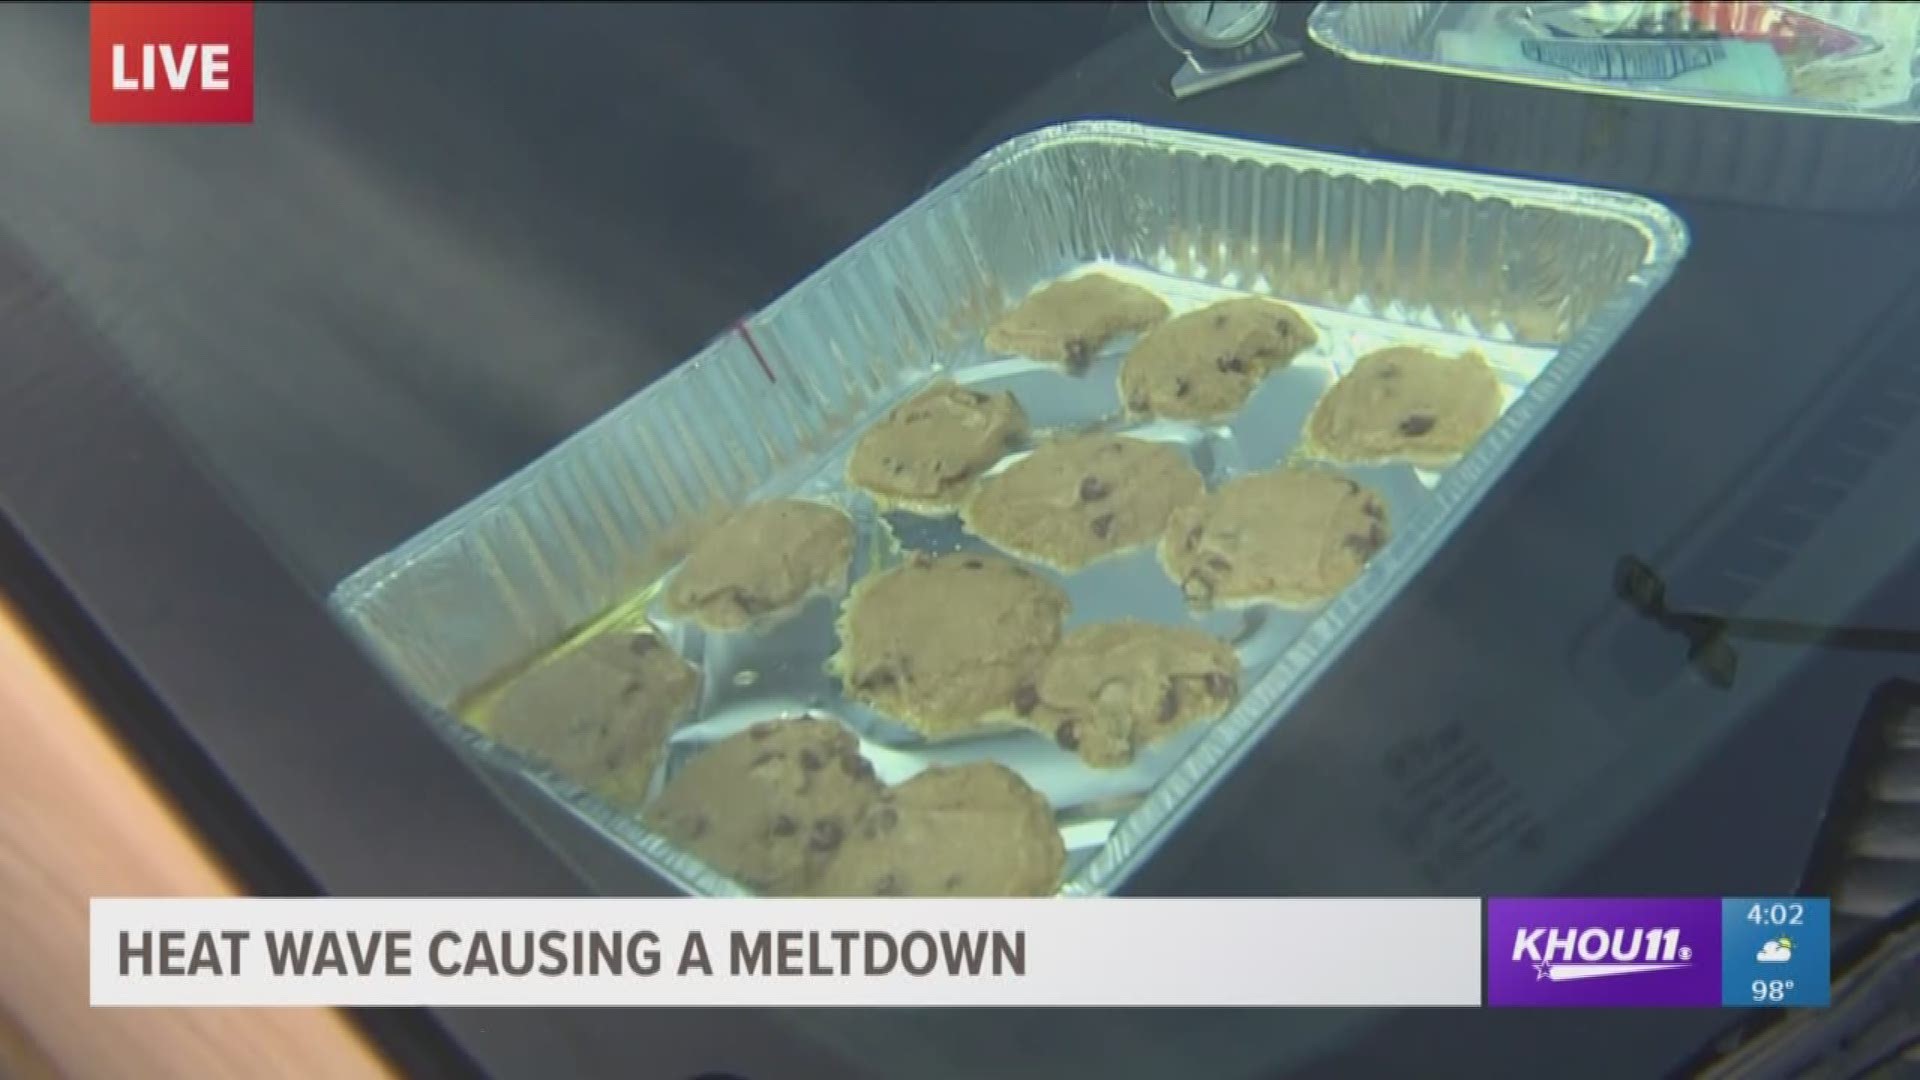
(1217, 25)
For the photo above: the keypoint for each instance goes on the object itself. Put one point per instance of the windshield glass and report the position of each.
(1373, 449)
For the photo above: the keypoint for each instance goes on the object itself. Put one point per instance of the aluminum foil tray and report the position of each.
(1541, 278)
(1837, 131)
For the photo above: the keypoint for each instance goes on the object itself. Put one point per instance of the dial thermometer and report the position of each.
(1223, 42)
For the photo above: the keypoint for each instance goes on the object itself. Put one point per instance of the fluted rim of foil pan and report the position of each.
(1461, 488)
(1140, 832)
(1665, 232)
(1327, 27)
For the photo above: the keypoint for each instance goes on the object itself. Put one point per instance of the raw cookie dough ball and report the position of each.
(600, 712)
(1066, 322)
(761, 562)
(1113, 688)
(1290, 537)
(770, 805)
(1205, 364)
(1406, 404)
(942, 643)
(964, 830)
(1079, 499)
(925, 453)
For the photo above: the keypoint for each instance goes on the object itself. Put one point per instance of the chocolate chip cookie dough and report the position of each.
(1066, 322)
(1205, 364)
(925, 453)
(770, 805)
(941, 644)
(598, 713)
(1081, 498)
(964, 830)
(1289, 536)
(761, 562)
(1113, 688)
(1405, 404)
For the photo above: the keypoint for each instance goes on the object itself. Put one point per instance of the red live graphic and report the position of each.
(172, 63)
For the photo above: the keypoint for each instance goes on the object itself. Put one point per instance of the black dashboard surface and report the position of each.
(250, 361)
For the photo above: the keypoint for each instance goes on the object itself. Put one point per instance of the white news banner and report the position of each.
(482, 952)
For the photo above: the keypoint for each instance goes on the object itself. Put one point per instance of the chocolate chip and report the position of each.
(1067, 736)
(827, 834)
(953, 882)
(1220, 322)
(888, 885)
(1232, 364)
(893, 466)
(1218, 564)
(696, 826)
(1374, 510)
(631, 690)
(764, 757)
(642, 644)
(810, 760)
(856, 766)
(1389, 371)
(1180, 387)
(1197, 588)
(1137, 404)
(1193, 538)
(784, 825)
(1365, 547)
(916, 416)
(877, 678)
(748, 603)
(1093, 489)
(1352, 488)
(1416, 424)
(1025, 697)
(1219, 684)
(1169, 706)
(1076, 350)
(1102, 526)
(973, 564)
(886, 818)
(762, 729)
(974, 397)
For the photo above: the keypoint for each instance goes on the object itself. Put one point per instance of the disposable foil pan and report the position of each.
(1541, 278)
(1769, 151)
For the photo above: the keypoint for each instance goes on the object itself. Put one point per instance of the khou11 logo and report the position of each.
(1603, 952)
(171, 63)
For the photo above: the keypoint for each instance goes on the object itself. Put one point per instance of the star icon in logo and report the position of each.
(1540, 971)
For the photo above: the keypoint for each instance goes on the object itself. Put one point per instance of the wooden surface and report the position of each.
(78, 819)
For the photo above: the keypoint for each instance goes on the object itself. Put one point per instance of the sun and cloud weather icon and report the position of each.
(1775, 951)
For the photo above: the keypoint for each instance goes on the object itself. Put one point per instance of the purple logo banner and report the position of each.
(1624, 953)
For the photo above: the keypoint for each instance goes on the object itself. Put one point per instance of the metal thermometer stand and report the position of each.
(1223, 43)
(1211, 69)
